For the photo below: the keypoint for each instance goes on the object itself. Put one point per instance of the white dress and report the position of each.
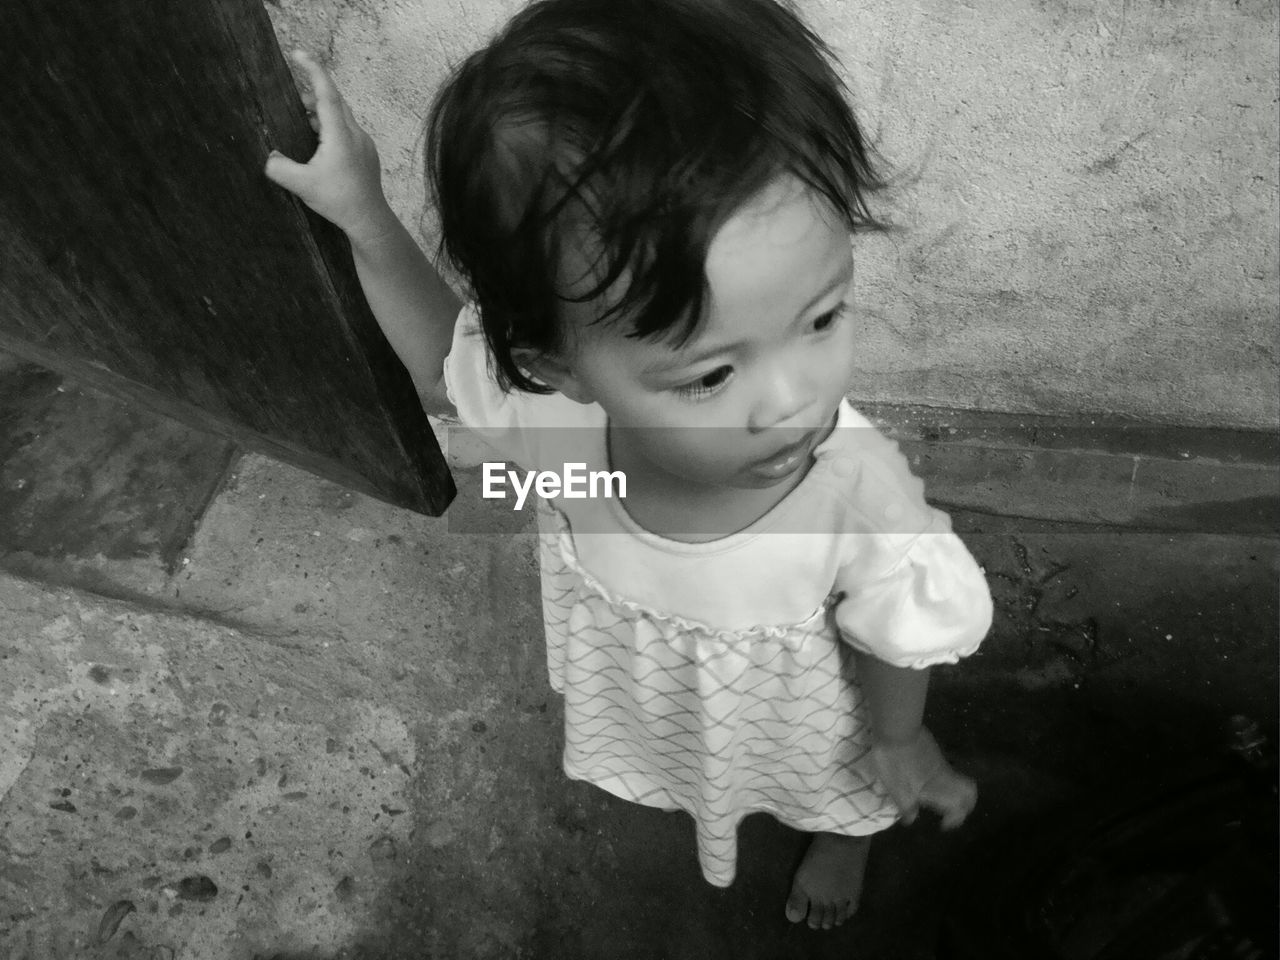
(718, 678)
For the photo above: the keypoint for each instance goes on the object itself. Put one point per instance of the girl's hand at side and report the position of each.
(343, 180)
(915, 774)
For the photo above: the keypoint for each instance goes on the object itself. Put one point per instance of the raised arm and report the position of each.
(342, 182)
(414, 306)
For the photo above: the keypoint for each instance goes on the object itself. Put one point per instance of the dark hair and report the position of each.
(643, 124)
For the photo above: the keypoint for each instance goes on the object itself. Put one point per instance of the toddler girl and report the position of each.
(653, 202)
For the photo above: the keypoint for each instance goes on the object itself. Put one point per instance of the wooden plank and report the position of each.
(142, 250)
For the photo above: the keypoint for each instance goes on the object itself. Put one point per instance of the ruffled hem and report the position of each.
(705, 631)
(788, 817)
(922, 662)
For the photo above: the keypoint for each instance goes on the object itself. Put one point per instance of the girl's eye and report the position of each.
(828, 320)
(707, 384)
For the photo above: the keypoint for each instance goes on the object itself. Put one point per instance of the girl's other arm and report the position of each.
(895, 698)
(343, 183)
(906, 757)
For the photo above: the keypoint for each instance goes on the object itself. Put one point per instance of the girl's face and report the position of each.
(744, 401)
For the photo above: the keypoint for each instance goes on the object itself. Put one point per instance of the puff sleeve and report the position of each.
(912, 594)
(470, 385)
(520, 426)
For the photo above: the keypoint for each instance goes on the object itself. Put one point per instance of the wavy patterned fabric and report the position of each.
(678, 715)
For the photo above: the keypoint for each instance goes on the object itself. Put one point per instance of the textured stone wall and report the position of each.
(1088, 189)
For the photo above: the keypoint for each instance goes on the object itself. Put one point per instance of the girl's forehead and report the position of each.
(769, 259)
(776, 257)
(784, 217)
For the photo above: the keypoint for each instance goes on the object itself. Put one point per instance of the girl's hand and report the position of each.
(915, 775)
(343, 180)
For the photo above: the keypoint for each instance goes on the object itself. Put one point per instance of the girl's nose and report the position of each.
(785, 396)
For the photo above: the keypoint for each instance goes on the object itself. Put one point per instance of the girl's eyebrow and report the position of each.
(841, 279)
(671, 364)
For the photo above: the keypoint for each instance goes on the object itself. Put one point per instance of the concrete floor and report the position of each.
(278, 719)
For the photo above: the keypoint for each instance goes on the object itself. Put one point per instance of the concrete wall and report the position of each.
(1090, 189)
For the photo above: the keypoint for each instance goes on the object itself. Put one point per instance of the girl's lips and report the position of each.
(785, 453)
(784, 461)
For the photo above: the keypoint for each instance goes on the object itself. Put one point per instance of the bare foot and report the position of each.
(828, 883)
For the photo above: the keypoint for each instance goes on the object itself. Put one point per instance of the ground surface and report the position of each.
(244, 713)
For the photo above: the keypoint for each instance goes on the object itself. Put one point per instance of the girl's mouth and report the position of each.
(782, 462)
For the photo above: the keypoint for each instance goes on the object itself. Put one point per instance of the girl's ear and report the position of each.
(554, 371)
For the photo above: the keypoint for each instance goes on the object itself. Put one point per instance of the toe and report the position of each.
(797, 905)
(819, 916)
(844, 911)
